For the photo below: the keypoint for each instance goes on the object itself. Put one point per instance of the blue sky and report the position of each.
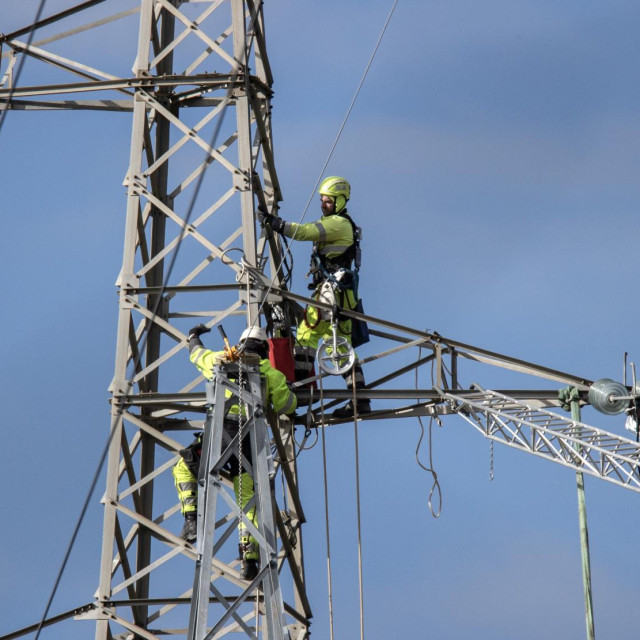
(493, 156)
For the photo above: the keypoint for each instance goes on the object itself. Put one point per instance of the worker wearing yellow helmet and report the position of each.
(335, 262)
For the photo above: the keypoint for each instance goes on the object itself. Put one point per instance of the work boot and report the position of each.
(190, 529)
(249, 555)
(363, 406)
(249, 569)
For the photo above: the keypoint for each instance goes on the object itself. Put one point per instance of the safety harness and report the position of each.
(337, 270)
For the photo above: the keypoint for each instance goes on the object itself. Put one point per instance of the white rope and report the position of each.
(357, 457)
(326, 513)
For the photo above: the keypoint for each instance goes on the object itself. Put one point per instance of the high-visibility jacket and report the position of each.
(332, 235)
(281, 398)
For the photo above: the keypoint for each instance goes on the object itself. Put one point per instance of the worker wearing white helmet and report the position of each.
(335, 262)
(252, 341)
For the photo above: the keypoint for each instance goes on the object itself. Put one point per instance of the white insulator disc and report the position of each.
(603, 396)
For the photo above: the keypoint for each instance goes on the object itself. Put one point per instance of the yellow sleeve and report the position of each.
(205, 360)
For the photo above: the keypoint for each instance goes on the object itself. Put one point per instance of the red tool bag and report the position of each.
(281, 356)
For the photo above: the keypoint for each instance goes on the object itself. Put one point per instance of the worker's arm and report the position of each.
(282, 399)
(327, 229)
(204, 359)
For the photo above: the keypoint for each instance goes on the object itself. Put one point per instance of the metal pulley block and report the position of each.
(336, 357)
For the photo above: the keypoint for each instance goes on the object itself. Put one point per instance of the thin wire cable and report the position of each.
(430, 469)
(335, 144)
(352, 104)
(358, 509)
(119, 416)
(32, 34)
(326, 514)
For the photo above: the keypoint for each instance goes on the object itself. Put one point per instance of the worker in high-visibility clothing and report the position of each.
(335, 262)
(185, 472)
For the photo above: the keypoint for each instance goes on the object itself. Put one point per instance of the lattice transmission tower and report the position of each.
(201, 158)
(201, 161)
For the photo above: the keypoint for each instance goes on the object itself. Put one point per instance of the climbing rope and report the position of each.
(359, 519)
(326, 513)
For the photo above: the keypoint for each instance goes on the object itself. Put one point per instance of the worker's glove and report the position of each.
(198, 330)
(277, 224)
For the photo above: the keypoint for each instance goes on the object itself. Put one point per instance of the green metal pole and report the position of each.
(572, 395)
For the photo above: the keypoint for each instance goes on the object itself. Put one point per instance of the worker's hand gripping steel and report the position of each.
(337, 356)
(231, 352)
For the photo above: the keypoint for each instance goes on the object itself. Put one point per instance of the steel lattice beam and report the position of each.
(549, 435)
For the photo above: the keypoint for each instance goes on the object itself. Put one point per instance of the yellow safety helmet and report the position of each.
(337, 188)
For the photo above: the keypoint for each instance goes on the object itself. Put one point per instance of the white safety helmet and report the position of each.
(256, 333)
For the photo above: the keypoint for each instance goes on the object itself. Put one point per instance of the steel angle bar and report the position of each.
(222, 200)
(260, 43)
(383, 354)
(170, 604)
(116, 588)
(77, 612)
(217, 318)
(227, 604)
(219, 253)
(193, 400)
(186, 130)
(158, 532)
(72, 105)
(149, 477)
(206, 53)
(222, 148)
(188, 136)
(204, 82)
(138, 632)
(160, 437)
(241, 515)
(262, 121)
(210, 246)
(168, 329)
(83, 70)
(50, 20)
(77, 30)
(527, 368)
(191, 27)
(7, 77)
(562, 440)
(180, 288)
(496, 359)
(121, 558)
